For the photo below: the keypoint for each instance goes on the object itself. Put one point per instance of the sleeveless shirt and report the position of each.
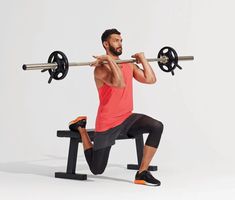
(116, 104)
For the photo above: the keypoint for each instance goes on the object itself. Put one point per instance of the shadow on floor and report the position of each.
(35, 167)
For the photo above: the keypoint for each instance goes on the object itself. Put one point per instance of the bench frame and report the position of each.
(75, 139)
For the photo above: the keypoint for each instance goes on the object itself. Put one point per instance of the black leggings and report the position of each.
(97, 160)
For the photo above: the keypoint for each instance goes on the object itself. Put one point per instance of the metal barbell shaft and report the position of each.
(41, 66)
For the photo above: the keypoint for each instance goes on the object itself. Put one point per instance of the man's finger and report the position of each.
(93, 63)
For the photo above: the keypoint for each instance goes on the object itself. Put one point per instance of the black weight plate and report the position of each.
(172, 56)
(62, 68)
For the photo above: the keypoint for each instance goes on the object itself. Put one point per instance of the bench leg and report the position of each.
(71, 164)
(139, 141)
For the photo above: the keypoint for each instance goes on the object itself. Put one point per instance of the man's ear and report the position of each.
(105, 44)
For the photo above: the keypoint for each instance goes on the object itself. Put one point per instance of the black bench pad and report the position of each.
(91, 132)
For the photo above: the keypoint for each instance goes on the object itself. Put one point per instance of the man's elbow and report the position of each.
(151, 81)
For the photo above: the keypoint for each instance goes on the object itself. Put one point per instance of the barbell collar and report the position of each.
(39, 66)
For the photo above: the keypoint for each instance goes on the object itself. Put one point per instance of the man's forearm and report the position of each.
(117, 76)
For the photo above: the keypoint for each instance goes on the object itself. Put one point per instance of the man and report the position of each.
(114, 116)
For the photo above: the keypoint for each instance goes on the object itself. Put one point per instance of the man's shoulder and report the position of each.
(101, 71)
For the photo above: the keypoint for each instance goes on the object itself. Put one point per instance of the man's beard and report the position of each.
(114, 51)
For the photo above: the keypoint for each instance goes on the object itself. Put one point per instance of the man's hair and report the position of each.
(109, 32)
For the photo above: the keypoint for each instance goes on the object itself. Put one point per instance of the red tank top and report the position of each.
(116, 104)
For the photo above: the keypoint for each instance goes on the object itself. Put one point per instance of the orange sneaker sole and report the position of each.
(142, 182)
(77, 119)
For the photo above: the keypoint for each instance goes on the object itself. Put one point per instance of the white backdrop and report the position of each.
(196, 105)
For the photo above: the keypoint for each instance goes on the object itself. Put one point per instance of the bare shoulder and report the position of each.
(135, 67)
(101, 71)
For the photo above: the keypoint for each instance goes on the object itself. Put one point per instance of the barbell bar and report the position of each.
(42, 66)
(58, 64)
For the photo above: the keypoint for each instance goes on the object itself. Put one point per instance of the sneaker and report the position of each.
(78, 122)
(146, 178)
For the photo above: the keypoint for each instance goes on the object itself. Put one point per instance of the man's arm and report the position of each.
(145, 75)
(109, 73)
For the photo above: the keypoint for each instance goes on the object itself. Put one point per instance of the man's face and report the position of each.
(115, 44)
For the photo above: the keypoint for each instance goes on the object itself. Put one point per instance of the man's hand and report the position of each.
(139, 57)
(100, 59)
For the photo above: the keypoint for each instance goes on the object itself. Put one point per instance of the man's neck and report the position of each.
(113, 56)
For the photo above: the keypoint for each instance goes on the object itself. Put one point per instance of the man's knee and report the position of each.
(158, 126)
(155, 134)
(97, 171)
(161, 126)
(98, 168)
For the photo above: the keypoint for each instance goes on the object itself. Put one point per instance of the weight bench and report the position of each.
(75, 138)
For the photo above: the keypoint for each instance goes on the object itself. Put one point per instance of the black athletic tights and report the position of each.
(97, 160)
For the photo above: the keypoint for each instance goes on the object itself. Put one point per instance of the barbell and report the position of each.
(58, 64)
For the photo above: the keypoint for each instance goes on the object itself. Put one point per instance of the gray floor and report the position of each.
(35, 180)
